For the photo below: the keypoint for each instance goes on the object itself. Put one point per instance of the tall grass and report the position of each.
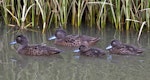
(121, 13)
(20, 20)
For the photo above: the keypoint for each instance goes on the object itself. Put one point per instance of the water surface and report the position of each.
(68, 65)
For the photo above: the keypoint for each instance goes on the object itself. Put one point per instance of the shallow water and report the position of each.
(68, 65)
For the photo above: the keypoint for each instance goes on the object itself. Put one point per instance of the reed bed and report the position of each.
(123, 14)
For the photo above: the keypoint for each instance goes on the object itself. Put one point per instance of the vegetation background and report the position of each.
(123, 14)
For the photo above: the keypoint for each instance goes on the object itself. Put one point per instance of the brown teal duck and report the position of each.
(117, 47)
(61, 38)
(92, 52)
(34, 50)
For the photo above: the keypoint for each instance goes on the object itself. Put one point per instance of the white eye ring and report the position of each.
(19, 38)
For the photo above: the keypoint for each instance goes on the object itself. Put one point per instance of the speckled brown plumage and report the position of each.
(73, 40)
(34, 50)
(118, 47)
(92, 52)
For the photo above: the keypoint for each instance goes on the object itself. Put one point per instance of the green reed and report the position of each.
(73, 9)
(147, 14)
(33, 14)
(127, 12)
(3, 11)
(81, 7)
(100, 13)
(43, 13)
(120, 13)
(20, 19)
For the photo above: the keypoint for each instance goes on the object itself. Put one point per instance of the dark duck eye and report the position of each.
(82, 47)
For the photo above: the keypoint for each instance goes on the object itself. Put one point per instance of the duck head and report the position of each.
(114, 43)
(22, 40)
(59, 34)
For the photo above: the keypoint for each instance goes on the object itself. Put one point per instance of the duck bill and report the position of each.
(109, 47)
(51, 38)
(12, 43)
(77, 50)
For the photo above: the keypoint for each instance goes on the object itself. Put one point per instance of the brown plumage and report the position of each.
(92, 52)
(73, 40)
(34, 50)
(117, 47)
